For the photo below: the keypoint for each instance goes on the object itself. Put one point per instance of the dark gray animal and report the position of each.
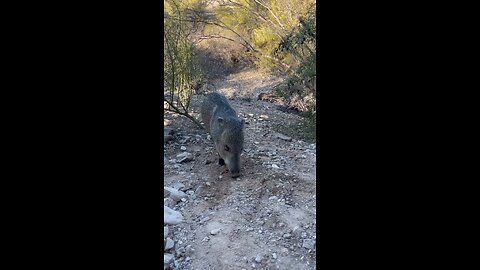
(226, 130)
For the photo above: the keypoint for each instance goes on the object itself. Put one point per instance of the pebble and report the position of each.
(283, 137)
(171, 217)
(205, 219)
(287, 235)
(165, 232)
(275, 166)
(178, 186)
(215, 231)
(259, 258)
(274, 256)
(176, 195)
(169, 244)
(184, 157)
(198, 190)
(183, 148)
(167, 258)
(308, 243)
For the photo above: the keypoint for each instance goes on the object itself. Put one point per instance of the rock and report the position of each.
(169, 202)
(308, 243)
(283, 137)
(273, 198)
(259, 258)
(167, 258)
(165, 232)
(287, 235)
(215, 231)
(176, 195)
(185, 157)
(183, 148)
(179, 186)
(198, 190)
(169, 244)
(171, 217)
(274, 256)
(205, 219)
(275, 166)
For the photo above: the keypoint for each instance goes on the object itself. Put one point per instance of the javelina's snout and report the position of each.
(234, 167)
(235, 174)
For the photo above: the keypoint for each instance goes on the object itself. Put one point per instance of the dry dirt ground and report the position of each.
(266, 218)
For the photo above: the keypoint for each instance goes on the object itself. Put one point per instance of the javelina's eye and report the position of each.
(227, 148)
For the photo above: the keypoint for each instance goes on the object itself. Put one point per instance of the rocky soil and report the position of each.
(266, 218)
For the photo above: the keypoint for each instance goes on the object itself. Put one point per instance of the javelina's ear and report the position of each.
(220, 120)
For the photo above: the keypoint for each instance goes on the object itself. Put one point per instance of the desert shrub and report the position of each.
(182, 73)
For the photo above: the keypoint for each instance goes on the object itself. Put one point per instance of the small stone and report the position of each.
(274, 256)
(198, 190)
(308, 243)
(167, 258)
(259, 258)
(183, 148)
(169, 244)
(256, 142)
(287, 235)
(178, 186)
(171, 217)
(176, 195)
(165, 232)
(273, 198)
(250, 114)
(184, 157)
(208, 184)
(283, 137)
(275, 166)
(205, 219)
(215, 231)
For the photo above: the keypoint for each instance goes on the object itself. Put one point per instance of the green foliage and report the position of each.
(182, 74)
(299, 89)
(264, 23)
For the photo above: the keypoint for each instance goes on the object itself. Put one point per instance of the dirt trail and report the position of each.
(264, 219)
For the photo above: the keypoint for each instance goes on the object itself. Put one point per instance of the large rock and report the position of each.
(176, 195)
(171, 217)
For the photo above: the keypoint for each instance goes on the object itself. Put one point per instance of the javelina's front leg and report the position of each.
(221, 162)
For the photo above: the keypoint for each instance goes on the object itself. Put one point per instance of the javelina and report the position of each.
(226, 130)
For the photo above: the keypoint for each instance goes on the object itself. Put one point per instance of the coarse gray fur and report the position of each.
(226, 130)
